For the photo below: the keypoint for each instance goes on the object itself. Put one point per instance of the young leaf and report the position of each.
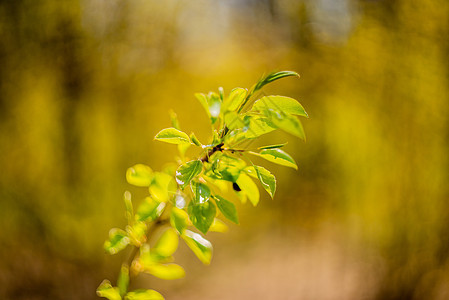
(214, 102)
(286, 122)
(167, 243)
(201, 247)
(219, 184)
(118, 240)
(163, 187)
(173, 136)
(144, 295)
(280, 103)
(258, 125)
(137, 233)
(123, 280)
(145, 257)
(149, 210)
(264, 81)
(178, 219)
(234, 100)
(166, 271)
(187, 172)
(277, 156)
(203, 100)
(272, 77)
(249, 188)
(272, 146)
(139, 175)
(221, 93)
(195, 140)
(174, 120)
(267, 179)
(226, 167)
(227, 208)
(201, 192)
(215, 138)
(233, 120)
(211, 103)
(106, 290)
(218, 226)
(202, 214)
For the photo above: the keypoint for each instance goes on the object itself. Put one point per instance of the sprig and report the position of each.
(193, 197)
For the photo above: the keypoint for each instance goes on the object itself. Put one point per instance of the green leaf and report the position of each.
(218, 226)
(267, 179)
(217, 183)
(195, 140)
(226, 167)
(203, 100)
(281, 104)
(221, 93)
(144, 295)
(234, 100)
(277, 156)
(145, 257)
(227, 208)
(202, 214)
(201, 247)
(211, 103)
(258, 126)
(137, 233)
(149, 210)
(167, 243)
(255, 126)
(201, 192)
(148, 258)
(178, 219)
(166, 271)
(118, 240)
(139, 175)
(123, 280)
(264, 81)
(249, 188)
(272, 146)
(173, 136)
(106, 290)
(214, 102)
(187, 172)
(230, 173)
(216, 139)
(272, 77)
(163, 187)
(286, 122)
(174, 120)
(233, 120)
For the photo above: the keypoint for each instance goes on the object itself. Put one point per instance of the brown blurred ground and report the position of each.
(85, 85)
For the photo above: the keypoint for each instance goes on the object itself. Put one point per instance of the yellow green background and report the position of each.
(85, 85)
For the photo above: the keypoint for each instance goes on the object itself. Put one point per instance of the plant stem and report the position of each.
(152, 228)
(205, 158)
(132, 255)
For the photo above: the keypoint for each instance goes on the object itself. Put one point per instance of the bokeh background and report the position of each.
(86, 84)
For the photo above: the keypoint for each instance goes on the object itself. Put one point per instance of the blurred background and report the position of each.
(86, 84)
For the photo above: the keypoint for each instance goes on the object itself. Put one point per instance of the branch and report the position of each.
(205, 158)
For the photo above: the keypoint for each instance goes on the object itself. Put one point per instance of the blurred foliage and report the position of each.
(85, 86)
